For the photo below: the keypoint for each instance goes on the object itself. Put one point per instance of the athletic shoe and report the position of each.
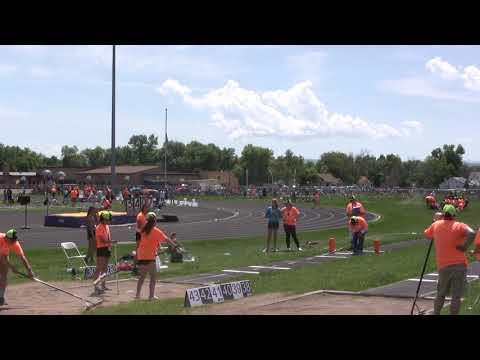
(154, 298)
(300, 249)
(288, 249)
(264, 250)
(277, 250)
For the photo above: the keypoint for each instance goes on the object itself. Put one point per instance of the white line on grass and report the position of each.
(332, 256)
(424, 280)
(241, 272)
(270, 267)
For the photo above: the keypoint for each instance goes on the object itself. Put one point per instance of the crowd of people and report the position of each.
(459, 201)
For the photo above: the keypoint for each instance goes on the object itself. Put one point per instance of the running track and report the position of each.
(210, 221)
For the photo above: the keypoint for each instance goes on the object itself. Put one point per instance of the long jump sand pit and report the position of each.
(36, 299)
(316, 304)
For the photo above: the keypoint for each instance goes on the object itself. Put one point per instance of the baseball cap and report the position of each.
(12, 234)
(106, 215)
(449, 209)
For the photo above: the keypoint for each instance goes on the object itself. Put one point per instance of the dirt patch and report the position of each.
(36, 299)
(317, 304)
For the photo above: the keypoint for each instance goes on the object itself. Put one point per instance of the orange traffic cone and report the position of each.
(376, 246)
(331, 245)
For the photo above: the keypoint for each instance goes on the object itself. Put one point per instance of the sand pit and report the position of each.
(36, 299)
(317, 304)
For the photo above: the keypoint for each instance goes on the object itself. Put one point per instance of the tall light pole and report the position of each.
(113, 180)
(246, 171)
(166, 141)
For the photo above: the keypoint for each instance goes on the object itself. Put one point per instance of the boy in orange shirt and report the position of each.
(359, 228)
(451, 239)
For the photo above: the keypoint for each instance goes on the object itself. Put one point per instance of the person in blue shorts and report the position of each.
(273, 214)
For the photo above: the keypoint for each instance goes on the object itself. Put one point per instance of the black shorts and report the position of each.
(144, 262)
(273, 225)
(138, 236)
(104, 252)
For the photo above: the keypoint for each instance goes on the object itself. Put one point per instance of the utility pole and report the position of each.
(166, 141)
(247, 178)
(113, 180)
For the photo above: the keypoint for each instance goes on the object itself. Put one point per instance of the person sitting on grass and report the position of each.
(273, 214)
(9, 242)
(151, 237)
(451, 239)
(359, 228)
(104, 242)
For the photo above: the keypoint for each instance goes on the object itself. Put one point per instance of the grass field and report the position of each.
(399, 219)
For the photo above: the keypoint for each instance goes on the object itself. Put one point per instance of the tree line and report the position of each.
(262, 165)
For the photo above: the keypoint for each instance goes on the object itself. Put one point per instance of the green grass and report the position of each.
(353, 274)
(399, 218)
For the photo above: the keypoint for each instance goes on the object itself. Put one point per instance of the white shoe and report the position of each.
(288, 249)
(300, 249)
(264, 250)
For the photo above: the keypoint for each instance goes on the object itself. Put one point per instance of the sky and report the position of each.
(405, 100)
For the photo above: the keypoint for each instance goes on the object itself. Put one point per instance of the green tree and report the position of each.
(257, 160)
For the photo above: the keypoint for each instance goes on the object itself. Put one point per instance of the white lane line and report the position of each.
(372, 251)
(270, 267)
(332, 256)
(468, 276)
(343, 253)
(241, 272)
(424, 280)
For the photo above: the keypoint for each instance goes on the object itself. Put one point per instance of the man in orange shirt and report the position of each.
(451, 239)
(359, 228)
(151, 237)
(290, 214)
(9, 242)
(355, 208)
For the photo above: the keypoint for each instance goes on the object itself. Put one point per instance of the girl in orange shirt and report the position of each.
(104, 241)
(151, 237)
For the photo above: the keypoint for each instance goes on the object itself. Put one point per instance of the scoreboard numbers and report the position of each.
(217, 293)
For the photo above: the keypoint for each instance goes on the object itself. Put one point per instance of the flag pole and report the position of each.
(113, 179)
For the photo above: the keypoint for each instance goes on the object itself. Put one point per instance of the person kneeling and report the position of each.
(359, 228)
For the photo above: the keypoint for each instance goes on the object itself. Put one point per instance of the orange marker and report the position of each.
(331, 245)
(376, 246)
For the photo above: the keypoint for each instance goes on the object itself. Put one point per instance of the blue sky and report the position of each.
(311, 99)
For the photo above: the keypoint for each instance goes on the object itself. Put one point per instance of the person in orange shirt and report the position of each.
(431, 202)
(151, 237)
(9, 242)
(359, 228)
(451, 239)
(290, 214)
(104, 242)
(355, 208)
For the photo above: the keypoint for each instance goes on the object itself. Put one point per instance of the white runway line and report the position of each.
(343, 253)
(241, 272)
(424, 280)
(270, 267)
(468, 276)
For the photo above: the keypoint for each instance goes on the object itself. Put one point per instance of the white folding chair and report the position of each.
(73, 255)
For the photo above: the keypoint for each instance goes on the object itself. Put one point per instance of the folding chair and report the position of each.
(73, 254)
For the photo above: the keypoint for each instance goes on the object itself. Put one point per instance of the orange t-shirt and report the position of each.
(102, 236)
(446, 235)
(355, 209)
(290, 216)
(6, 247)
(359, 226)
(148, 245)
(141, 221)
(430, 199)
(476, 243)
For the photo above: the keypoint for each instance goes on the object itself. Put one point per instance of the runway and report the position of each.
(212, 220)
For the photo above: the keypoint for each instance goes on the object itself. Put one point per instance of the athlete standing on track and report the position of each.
(104, 242)
(451, 239)
(290, 214)
(151, 237)
(9, 242)
(273, 214)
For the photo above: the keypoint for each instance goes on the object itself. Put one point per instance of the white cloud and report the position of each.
(295, 113)
(414, 86)
(470, 74)
(306, 66)
(172, 86)
(442, 68)
(6, 69)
